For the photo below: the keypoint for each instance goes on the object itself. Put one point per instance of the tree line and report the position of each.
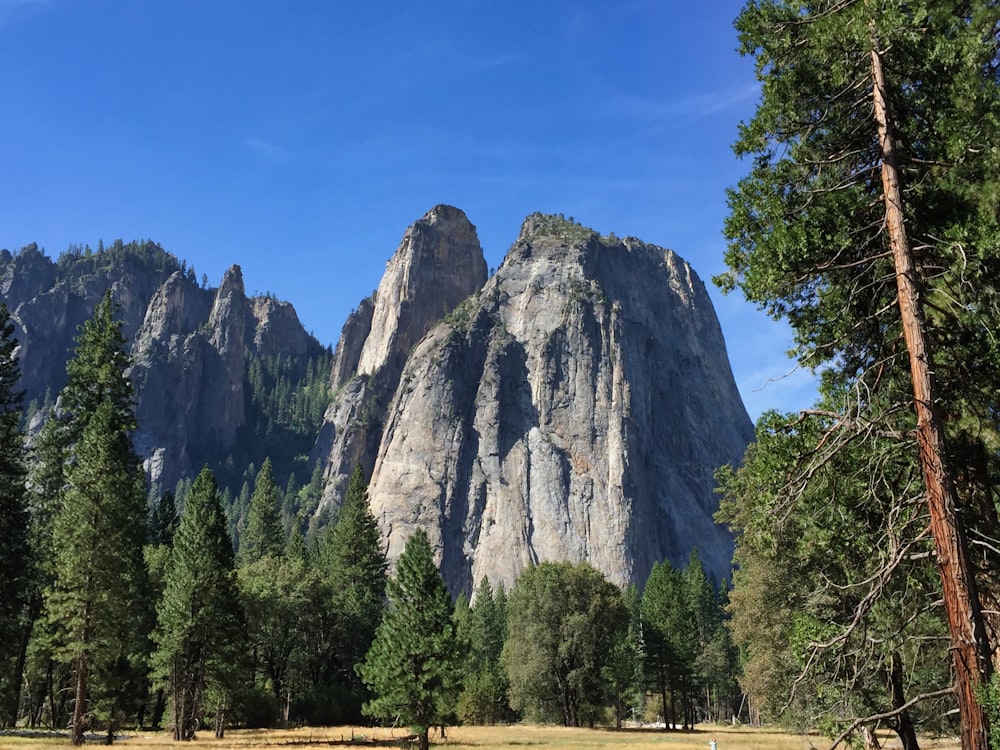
(119, 611)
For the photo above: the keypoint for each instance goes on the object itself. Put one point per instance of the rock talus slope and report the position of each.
(574, 408)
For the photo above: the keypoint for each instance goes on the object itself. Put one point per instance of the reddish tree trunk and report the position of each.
(969, 647)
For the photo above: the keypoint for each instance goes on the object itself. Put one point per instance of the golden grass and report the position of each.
(530, 737)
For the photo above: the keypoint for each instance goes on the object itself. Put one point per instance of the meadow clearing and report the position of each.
(481, 738)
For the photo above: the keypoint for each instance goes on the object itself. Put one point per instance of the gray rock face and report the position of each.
(573, 409)
(188, 344)
(438, 263)
(188, 372)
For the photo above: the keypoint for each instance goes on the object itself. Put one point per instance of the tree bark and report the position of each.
(80, 700)
(903, 723)
(969, 647)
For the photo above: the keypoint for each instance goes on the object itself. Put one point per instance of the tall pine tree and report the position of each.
(96, 601)
(263, 535)
(353, 562)
(200, 625)
(868, 220)
(14, 553)
(413, 664)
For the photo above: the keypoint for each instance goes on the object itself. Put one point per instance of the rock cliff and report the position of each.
(190, 346)
(574, 408)
(438, 264)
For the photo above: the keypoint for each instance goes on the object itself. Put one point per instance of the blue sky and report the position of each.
(299, 139)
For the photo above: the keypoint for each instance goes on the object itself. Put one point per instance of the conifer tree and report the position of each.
(96, 602)
(263, 535)
(14, 551)
(666, 626)
(353, 562)
(199, 634)
(483, 627)
(414, 662)
(868, 221)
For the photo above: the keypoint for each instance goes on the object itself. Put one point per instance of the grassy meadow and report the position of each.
(480, 738)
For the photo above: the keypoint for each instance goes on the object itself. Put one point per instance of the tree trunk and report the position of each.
(903, 723)
(80, 700)
(969, 647)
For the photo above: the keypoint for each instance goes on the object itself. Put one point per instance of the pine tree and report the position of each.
(95, 604)
(664, 623)
(46, 479)
(483, 627)
(14, 551)
(263, 535)
(413, 664)
(199, 634)
(353, 563)
(868, 221)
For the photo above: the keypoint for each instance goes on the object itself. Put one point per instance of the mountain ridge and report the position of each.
(573, 405)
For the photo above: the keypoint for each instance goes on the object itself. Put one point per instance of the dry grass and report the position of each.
(478, 738)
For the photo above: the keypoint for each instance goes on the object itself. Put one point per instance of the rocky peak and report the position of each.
(276, 327)
(228, 312)
(437, 265)
(575, 409)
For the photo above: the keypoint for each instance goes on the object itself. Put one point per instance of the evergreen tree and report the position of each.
(622, 673)
(483, 628)
(14, 551)
(163, 521)
(45, 485)
(868, 220)
(835, 604)
(352, 560)
(665, 629)
(96, 602)
(413, 664)
(200, 623)
(263, 535)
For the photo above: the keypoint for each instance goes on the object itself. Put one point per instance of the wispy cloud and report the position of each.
(13, 9)
(702, 104)
(264, 149)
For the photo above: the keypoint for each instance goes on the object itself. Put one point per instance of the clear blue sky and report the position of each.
(299, 139)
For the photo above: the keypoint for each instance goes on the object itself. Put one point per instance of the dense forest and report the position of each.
(188, 612)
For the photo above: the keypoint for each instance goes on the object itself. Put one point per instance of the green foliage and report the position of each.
(668, 640)
(835, 582)
(413, 666)
(14, 549)
(163, 521)
(263, 535)
(353, 564)
(808, 242)
(483, 628)
(96, 600)
(567, 618)
(283, 601)
(199, 636)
